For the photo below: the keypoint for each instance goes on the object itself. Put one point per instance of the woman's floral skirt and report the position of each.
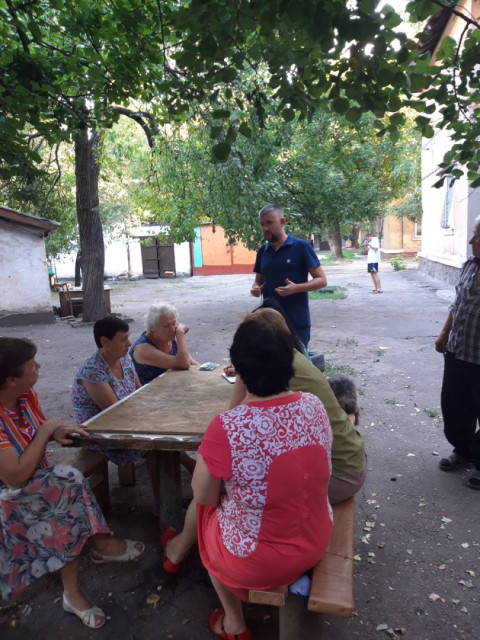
(44, 526)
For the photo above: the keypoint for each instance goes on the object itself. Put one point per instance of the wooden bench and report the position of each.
(331, 590)
(94, 467)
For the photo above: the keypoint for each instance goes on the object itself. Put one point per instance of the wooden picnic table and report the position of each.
(168, 415)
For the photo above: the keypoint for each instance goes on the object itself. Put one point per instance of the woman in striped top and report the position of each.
(48, 514)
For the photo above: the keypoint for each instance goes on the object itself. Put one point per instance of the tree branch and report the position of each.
(469, 21)
(21, 33)
(140, 118)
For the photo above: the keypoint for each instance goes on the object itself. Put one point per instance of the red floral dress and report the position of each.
(45, 524)
(274, 520)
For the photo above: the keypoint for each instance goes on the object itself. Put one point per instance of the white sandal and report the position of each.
(89, 617)
(133, 551)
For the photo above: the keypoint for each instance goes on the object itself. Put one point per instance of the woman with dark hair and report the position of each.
(349, 468)
(105, 378)
(48, 514)
(261, 481)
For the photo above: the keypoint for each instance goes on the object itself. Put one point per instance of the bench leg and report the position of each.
(296, 622)
(126, 475)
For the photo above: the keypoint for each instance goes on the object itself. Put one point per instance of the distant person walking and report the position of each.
(373, 258)
(459, 340)
(282, 268)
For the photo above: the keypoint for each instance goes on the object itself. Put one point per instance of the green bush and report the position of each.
(398, 263)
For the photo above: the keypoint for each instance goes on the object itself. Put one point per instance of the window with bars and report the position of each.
(447, 207)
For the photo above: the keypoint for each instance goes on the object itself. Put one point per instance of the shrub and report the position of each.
(398, 263)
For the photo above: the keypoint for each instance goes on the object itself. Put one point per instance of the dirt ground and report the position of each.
(417, 528)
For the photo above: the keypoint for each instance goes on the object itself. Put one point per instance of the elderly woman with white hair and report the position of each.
(162, 346)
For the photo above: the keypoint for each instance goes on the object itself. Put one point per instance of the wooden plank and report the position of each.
(180, 403)
(331, 591)
(275, 597)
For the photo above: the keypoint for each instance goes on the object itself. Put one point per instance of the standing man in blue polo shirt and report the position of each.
(282, 268)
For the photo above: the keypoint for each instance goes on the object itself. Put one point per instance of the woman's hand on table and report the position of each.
(229, 370)
(63, 432)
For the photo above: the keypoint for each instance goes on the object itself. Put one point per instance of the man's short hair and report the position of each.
(271, 208)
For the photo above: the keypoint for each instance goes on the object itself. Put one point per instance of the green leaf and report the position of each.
(215, 131)
(353, 114)
(398, 119)
(475, 183)
(245, 130)
(340, 105)
(288, 115)
(221, 114)
(221, 151)
(231, 134)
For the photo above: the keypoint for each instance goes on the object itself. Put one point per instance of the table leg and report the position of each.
(170, 489)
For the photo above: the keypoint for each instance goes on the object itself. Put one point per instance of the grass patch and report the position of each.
(329, 293)
(328, 260)
(337, 369)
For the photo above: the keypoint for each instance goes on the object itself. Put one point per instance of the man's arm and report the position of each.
(257, 286)
(318, 281)
(441, 341)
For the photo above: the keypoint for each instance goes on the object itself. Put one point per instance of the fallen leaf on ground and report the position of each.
(442, 567)
(466, 583)
(465, 545)
(470, 572)
(434, 597)
(153, 599)
(446, 520)
(382, 627)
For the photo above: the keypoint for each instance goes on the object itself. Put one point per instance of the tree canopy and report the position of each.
(67, 66)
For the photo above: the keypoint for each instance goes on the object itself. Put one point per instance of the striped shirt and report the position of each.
(18, 433)
(464, 337)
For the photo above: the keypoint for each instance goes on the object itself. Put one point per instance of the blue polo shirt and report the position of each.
(293, 260)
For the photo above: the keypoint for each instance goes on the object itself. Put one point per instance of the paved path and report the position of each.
(417, 529)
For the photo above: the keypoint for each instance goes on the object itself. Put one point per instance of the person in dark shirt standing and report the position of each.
(459, 340)
(282, 269)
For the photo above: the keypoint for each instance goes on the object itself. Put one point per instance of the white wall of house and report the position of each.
(116, 256)
(24, 281)
(447, 215)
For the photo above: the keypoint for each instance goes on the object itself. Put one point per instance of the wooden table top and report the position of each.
(179, 403)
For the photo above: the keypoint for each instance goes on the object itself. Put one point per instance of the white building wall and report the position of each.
(116, 256)
(24, 285)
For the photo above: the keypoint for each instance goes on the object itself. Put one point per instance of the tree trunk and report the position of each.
(334, 239)
(89, 225)
(377, 226)
(355, 236)
(78, 269)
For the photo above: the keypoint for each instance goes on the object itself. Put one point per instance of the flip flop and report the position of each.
(219, 614)
(133, 551)
(168, 565)
(88, 617)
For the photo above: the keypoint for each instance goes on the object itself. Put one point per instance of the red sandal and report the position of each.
(168, 565)
(220, 614)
